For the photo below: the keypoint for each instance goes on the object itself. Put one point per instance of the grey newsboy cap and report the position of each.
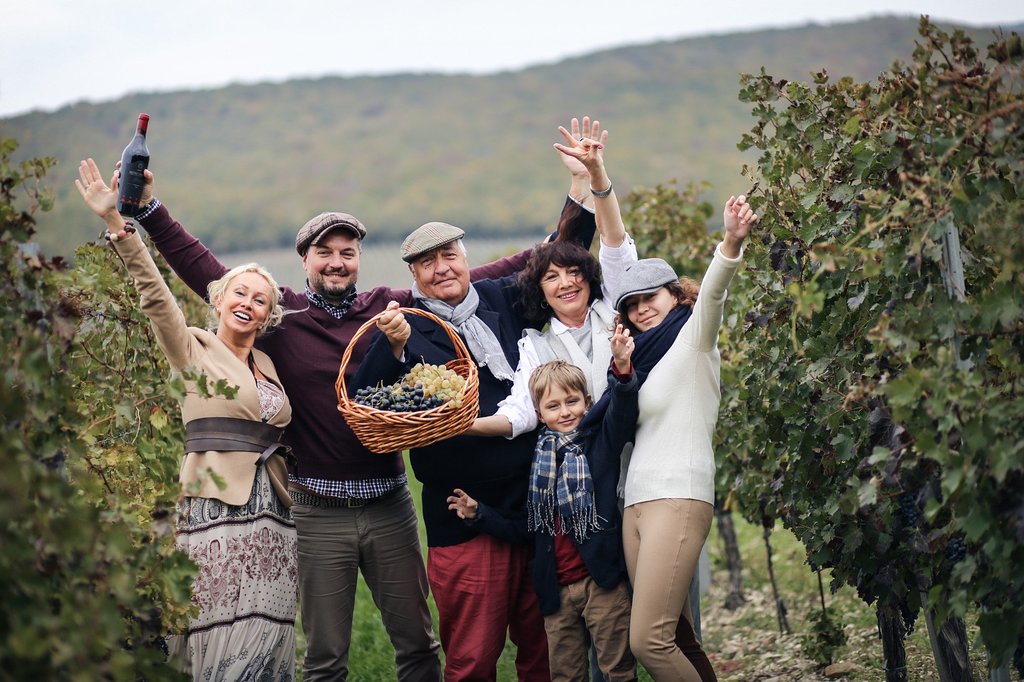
(311, 233)
(643, 277)
(428, 237)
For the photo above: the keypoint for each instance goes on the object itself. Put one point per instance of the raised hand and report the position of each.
(395, 327)
(738, 216)
(583, 146)
(577, 132)
(462, 504)
(622, 349)
(100, 198)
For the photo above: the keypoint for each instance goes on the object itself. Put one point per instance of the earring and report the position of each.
(544, 304)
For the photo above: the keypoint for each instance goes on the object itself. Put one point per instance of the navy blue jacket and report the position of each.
(602, 551)
(491, 469)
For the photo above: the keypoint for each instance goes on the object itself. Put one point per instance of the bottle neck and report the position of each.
(143, 125)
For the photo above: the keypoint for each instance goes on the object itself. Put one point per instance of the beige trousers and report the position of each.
(662, 540)
(589, 613)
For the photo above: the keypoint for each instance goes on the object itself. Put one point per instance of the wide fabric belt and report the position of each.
(230, 434)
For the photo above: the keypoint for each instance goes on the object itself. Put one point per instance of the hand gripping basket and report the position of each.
(382, 431)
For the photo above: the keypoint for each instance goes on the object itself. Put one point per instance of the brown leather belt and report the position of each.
(229, 434)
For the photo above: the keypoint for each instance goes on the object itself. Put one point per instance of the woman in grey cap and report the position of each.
(669, 487)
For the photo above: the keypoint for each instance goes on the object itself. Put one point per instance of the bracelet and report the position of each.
(601, 193)
(151, 208)
(128, 231)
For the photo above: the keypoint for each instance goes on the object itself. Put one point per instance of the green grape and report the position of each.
(424, 387)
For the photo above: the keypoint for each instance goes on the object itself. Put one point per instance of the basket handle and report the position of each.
(460, 347)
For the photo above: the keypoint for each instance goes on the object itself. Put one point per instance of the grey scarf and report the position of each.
(482, 342)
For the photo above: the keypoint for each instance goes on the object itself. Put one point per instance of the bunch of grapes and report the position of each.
(910, 512)
(436, 381)
(909, 615)
(423, 388)
(956, 549)
(397, 398)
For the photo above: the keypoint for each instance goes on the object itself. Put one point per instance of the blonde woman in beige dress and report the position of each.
(240, 534)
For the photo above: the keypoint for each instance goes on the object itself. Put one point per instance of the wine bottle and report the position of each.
(134, 162)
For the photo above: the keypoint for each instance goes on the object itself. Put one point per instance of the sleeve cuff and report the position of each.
(149, 210)
(510, 415)
(622, 252)
(725, 259)
(579, 202)
(625, 376)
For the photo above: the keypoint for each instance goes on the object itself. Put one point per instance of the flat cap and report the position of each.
(643, 277)
(428, 237)
(313, 231)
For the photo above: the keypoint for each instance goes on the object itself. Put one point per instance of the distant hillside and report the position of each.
(244, 166)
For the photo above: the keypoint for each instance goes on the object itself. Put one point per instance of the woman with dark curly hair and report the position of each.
(562, 287)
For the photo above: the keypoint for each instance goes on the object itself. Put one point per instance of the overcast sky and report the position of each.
(55, 52)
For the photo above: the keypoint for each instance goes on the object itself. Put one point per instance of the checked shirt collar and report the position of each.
(336, 311)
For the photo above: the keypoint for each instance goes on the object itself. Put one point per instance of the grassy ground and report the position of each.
(744, 645)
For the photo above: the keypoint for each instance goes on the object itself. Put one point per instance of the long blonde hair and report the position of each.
(215, 292)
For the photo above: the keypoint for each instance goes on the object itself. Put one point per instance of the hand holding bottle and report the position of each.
(147, 189)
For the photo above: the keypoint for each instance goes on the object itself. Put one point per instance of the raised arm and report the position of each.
(738, 216)
(702, 329)
(157, 302)
(188, 257)
(588, 149)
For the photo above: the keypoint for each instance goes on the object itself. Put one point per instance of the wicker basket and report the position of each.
(382, 431)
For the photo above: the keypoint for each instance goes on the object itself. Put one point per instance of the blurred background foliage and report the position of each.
(244, 166)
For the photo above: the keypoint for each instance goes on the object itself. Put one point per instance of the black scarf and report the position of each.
(650, 347)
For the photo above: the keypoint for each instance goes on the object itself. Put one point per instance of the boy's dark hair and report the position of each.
(557, 373)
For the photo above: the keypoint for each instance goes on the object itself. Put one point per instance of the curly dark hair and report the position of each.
(531, 304)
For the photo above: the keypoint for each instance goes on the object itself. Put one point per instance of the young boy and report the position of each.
(573, 515)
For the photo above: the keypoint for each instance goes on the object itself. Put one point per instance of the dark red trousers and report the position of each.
(482, 589)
